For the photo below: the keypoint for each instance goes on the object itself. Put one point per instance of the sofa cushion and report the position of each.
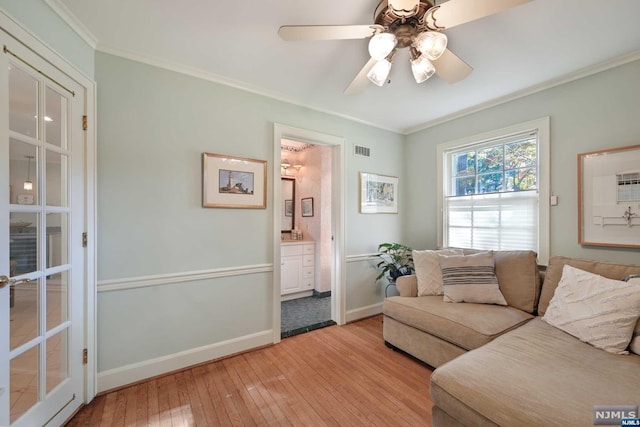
(470, 278)
(428, 270)
(602, 312)
(553, 274)
(497, 382)
(466, 325)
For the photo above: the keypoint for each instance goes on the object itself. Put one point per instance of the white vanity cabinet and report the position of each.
(297, 267)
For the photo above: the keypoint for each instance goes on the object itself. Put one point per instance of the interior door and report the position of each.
(41, 224)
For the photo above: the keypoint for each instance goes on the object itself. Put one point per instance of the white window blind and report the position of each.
(499, 221)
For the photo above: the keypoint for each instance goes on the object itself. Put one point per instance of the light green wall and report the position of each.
(46, 25)
(593, 113)
(153, 126)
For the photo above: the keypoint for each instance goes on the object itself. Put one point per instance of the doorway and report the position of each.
(308, 233)
(306, 248)
(46, 314)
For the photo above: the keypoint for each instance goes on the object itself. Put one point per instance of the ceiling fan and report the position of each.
(413, 24)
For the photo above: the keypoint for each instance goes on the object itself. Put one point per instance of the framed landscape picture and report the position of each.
(233, 182)
(378, 193)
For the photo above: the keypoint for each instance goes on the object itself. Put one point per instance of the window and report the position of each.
(494, 190)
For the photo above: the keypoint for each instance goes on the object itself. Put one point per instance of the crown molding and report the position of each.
(567, 78)
(215, 78)
(72, 21)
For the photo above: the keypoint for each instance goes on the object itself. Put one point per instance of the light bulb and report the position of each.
(422, 68)
(431, 43)
(379, 73)
(381, 45)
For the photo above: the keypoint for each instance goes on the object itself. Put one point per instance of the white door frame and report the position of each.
(15, 30)
(338, 272)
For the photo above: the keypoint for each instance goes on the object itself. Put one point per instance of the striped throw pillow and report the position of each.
(471, 278)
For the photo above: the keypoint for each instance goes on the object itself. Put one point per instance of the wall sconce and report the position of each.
(297, 167)
(28, 185)
(284, 167)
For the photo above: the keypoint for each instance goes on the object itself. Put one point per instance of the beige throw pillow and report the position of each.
(470, 278)
(599, 311)
(428, 272)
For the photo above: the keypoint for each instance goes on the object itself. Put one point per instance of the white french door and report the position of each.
(42, 218)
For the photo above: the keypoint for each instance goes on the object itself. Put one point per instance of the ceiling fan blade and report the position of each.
(328, 32)
(456, 12)
(361, 81)
(451, 68)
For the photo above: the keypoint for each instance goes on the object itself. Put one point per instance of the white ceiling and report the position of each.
(521, 49)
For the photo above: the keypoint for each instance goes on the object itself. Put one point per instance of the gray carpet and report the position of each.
(305, 314)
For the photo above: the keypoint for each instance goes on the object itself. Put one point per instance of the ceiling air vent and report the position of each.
(359, 150)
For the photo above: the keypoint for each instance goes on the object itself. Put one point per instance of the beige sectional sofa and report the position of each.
(504, 365)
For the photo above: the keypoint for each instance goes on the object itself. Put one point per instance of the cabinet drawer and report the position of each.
(307, 283)
(308, 260)
(307, 272)
(290, 250)
(309, 249)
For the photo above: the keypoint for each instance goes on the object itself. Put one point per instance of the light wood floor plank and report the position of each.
(335, 376)
(153, 411)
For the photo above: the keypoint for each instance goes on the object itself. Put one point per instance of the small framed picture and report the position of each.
(288, 208)
(307, 206)
(378, 193)
(233, 182)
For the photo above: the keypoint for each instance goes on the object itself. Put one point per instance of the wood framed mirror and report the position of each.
(288, 203)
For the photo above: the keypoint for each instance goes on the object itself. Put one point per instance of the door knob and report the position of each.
(4, 281)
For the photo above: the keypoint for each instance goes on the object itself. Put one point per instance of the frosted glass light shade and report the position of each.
(381, 45)
(431, 43)
(28, 185)
(379, 73)
(422, 68)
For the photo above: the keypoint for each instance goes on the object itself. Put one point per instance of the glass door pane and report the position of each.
(39, 234)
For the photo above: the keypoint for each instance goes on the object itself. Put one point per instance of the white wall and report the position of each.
(153, 126)
(596, 112)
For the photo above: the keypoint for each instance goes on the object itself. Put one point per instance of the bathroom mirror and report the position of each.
(288, 203)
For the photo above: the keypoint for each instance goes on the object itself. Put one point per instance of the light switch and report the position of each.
(554, 200)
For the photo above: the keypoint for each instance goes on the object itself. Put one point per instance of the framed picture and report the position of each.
(288, 208)
(378, 193)
(307, 206)
(609, 197)
(233, 182)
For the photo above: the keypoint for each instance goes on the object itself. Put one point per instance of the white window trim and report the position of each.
(542, 127)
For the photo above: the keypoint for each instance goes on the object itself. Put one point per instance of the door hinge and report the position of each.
(84, 123)
(84, 239)
(85, 356)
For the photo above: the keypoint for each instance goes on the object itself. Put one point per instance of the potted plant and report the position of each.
(395, 260)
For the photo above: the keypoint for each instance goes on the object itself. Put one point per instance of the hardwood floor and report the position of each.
(336, 376)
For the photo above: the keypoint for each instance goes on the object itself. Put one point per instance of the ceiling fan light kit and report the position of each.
(421, 67)
(379, 73)
(413, 24)
(381, 45)
(431, 43)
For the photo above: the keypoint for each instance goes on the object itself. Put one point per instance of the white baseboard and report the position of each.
(128, 374)
(362, 312)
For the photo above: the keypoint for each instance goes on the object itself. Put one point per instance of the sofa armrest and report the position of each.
(407, 285)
